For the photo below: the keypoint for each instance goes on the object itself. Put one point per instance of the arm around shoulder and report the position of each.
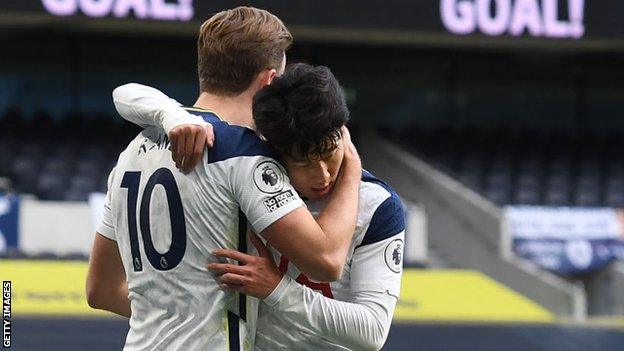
(147, 106)
(320, 246)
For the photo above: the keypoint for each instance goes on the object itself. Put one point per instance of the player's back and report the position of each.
(166, 226)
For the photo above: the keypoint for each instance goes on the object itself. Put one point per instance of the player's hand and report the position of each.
(352, 163)
(188, 143)
(350, 151)
(257, 276)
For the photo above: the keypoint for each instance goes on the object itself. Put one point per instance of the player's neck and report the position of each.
(235, 110)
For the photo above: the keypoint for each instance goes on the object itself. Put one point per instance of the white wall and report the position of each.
(55, 227)
(416, 243)
(69, 227)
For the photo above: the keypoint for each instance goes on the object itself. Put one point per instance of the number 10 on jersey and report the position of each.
(171, 258)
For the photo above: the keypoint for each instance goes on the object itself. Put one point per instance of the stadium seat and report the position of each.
(616, 167)
(5, 158)
(471, 180)
(558, 182)
(528, 181)
(557, 197)
(60, 166)
(80, 186)
(561, 165)
(527, 197)
(590, 167)
(89, 168)
(498, 196)
(615, 199)
(24, 172)
(65, 151)
(529, 167)
(526, 167)
(588, 198)
(501, 181)
(614, 184)
(51, 186)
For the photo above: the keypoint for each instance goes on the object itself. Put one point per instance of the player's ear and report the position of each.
(271, 75)
(264, 78)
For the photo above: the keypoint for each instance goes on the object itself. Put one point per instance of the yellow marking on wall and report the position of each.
(47, 287)
(462, 295)
(58, 288)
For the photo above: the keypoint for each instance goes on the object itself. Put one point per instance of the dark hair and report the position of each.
(235, 45)
(301, 112)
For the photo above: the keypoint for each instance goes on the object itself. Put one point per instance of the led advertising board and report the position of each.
(572, 20)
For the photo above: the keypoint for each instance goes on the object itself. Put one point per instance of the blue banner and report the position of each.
(9, 222)
(567, 240)
(570, 256)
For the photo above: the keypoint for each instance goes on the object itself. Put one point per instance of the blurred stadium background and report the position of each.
(499, 123)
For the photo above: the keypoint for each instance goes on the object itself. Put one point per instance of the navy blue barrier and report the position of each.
(9, 222)
(503, 337)
(30, 334)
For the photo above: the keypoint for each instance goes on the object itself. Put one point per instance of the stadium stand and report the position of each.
(60, 160)
(526, 167)
(472, 230)
(70, 158)
(477, 123)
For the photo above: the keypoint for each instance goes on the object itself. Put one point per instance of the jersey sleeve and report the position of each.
(147, 106)
(107, 225)
(361, 324)
(263, 190)
(377, 263)
(379, 266)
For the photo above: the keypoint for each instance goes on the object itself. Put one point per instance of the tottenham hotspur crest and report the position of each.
(268, 177)
(394, 255)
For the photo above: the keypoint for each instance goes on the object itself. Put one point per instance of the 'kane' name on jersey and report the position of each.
(166, 225)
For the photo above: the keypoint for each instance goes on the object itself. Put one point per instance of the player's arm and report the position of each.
(318, 249)
(106, 280)
(376, 270)
(361, 324)
(106, 285)
(364, 322)
(320, 246)
(146, 106)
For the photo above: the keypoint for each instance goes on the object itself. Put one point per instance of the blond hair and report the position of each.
(235, 45)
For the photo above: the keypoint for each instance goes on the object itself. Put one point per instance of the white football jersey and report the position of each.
(374, 264)
(166, 225)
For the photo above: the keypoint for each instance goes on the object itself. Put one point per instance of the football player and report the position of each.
(301, 115)
(160, 226)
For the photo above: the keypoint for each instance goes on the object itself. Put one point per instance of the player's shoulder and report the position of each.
(232, 141)
(381, 212)
(375, 193)
(139, 145)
